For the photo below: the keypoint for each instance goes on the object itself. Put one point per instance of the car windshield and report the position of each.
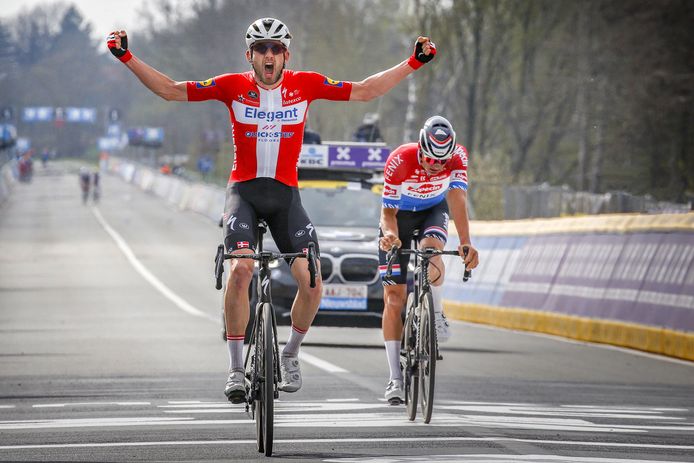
(342, 207)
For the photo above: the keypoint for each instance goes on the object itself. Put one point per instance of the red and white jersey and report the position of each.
(268, 125)
(407, 186)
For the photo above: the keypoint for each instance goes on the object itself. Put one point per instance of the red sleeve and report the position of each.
(324, 88)
(210, 89)
(393, 174)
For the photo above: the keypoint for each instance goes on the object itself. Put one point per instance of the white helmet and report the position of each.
(437, 139)
(267, 29)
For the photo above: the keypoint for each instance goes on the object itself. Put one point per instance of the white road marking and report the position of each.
(196, 405)
(320, 363)
(492, 458)
(591, 444)
(552, 411)
(181, 303)
(354, 420)
(90, 404)
(147, 275)
(7, 406)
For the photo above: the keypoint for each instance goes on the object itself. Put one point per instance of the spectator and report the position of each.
(368, 131)
(96, 186)
(311, 137)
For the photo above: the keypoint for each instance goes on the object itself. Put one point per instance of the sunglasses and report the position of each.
(432, 162)
(262, 48)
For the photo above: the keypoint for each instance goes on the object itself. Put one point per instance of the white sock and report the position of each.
(296, 336)
(437, 297)
(235, 346)
(393, 354)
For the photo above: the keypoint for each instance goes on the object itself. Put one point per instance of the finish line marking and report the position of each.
(181, 303)
(349, 440)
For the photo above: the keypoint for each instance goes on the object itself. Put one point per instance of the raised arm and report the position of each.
(457, 203)
(158, 83)
(381, 83)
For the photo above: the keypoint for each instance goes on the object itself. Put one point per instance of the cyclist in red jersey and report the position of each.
(421, 181)
(267, 106)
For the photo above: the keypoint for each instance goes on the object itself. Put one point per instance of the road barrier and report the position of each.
(204, 199)
(7, 180)
(623, 279)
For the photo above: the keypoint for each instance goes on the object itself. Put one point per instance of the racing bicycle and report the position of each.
(419, 348)
(261, 364)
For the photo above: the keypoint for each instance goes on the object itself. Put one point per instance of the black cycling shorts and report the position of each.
(431, 223)
(278, 204)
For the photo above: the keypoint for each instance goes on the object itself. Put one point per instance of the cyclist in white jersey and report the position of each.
(267, 107)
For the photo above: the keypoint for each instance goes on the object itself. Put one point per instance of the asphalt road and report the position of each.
(110, 351)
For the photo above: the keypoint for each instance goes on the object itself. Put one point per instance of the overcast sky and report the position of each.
(104, 16)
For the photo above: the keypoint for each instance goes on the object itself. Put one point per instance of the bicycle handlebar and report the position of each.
(311, 256)
(269, 256)
(390, 258)
(219, 266)
(427, 252)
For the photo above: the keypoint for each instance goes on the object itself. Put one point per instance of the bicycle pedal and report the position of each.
(237, 397)
(395, 401)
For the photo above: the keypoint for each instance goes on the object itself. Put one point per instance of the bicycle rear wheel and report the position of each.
(427, 355)
(268, 383)
(409, 345)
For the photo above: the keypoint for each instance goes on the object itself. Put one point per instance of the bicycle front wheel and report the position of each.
(268, 383)
(257, 362)
(409, 346)
(427, 355)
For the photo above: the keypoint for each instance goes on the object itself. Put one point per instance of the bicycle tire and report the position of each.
(268, 383)
(427, 358)
(409, 344)
(255, 347)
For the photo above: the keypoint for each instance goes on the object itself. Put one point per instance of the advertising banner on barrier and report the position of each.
(351, 155)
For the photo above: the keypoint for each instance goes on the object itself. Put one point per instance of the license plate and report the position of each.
(344, 297)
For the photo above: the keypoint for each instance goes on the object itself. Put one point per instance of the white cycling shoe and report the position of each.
(395, 395)
(235, 388)
(443, 331)
(291, 373)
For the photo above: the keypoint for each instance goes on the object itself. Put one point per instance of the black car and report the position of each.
(345, 207)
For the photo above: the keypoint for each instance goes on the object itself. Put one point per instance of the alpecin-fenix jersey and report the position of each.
(408, 187)
(268, 125)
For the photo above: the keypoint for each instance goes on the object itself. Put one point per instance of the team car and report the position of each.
(344, 206)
